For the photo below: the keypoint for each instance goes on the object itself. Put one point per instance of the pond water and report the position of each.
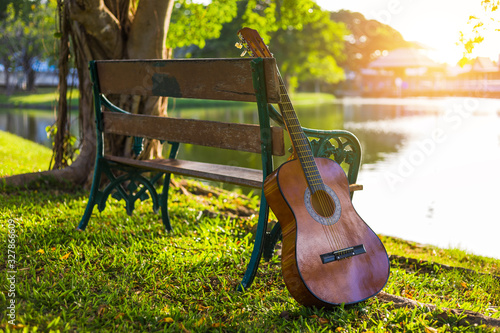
(430, 167)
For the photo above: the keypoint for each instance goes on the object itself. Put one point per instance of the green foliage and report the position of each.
(26, 34)
(306, 43)
(194, 23)
(366, 39)
(69, 148)
(20, 8)
(313, 50)
(488, 20)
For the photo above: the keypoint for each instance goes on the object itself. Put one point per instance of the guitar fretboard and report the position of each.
(299, 140)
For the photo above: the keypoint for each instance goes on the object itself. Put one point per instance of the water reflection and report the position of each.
(429, 166)
(27, 124)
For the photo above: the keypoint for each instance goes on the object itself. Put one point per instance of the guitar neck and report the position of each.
(299, 140)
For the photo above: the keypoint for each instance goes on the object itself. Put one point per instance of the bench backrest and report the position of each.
(219, 79)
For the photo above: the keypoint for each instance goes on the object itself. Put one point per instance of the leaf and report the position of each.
(101, 310)
(66, 256)
(430, 330)
(41, 251)
(323, 321)
(202, 307)
(166, 320)
(121, 314)
(200, 322)
(181, 326)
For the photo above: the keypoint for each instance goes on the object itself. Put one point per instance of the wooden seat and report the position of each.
(216, 172)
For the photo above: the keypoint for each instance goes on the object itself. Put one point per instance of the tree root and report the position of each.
(471, 317)
(424, 264)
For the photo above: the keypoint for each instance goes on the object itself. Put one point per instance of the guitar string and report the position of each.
(330, 238)
(324, 201)
(291, 122)
(323, 198)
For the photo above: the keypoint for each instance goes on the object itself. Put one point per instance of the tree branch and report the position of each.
(100, 23)
(149, 28)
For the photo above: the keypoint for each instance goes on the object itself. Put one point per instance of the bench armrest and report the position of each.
(342, 145)
(107, 103)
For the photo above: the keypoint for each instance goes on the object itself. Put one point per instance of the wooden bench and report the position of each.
(245, 79)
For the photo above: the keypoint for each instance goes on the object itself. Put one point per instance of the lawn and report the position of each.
(47, 98)
(42, 98)
(126, 274)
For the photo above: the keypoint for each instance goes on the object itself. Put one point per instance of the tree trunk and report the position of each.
(60, 158)
(8, 87)
(110, 29)
(27, 65)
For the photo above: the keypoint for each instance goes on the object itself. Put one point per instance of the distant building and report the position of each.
(46, 76)
(409, 72)
(481, 79)
(402, 72)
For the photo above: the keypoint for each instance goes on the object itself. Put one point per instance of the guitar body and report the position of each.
(329, 255)
(339, 276)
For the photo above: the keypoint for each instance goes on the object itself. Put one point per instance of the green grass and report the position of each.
(297, 99)
(125, 274)
(19, 155)
(47, 97)
(42, 97)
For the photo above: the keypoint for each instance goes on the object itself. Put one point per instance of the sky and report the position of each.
(435, 23)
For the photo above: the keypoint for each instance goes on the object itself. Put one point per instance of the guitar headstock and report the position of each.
(253, 43)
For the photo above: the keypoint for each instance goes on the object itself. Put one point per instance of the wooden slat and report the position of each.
(221, 79)
(216, 172)
(242, 137)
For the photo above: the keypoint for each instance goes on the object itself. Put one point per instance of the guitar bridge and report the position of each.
(342, 254)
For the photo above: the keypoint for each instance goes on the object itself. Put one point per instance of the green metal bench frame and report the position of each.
(343, 146)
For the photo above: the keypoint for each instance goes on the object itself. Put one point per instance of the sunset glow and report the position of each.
(435, 24)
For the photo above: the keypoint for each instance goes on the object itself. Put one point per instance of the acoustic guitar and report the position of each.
(330, 256)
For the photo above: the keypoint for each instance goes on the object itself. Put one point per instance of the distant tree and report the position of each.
(305, 42)
(311, 52)
(26, 35)
(194, 23)
(105, 29)
(488, 20)
(367, 39)
(137, 29)
(118, 29)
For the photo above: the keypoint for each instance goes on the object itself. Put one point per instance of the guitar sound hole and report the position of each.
(322, 203)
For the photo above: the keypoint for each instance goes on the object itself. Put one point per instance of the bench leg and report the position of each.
(164, 203)
(260, 239)
(174, 149)
(273, 237)
(96, 181)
